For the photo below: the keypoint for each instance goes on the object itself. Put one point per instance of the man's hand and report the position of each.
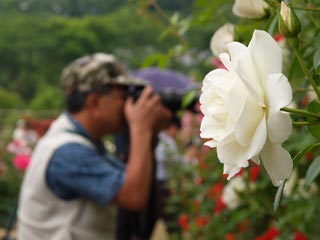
(145, 117)
(147, 113)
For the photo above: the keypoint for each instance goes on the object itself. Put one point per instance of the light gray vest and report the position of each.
(42, 215)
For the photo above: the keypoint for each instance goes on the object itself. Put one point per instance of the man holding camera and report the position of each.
(72, 178)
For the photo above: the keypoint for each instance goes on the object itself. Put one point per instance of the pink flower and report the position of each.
(18, 147)
(21, 162)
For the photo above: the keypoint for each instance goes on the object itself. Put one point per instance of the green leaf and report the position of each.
(316, 61)
(160, 60)
(277, 199)
(165, 33)
(188, 98)
(296, 160)
(313, 171)
(314, 107)
(175, 18)
(300, 154)
(272, 24)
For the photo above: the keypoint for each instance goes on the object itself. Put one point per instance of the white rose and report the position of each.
(250, 8)
(230, 195)
(221, 38)
(241, 106)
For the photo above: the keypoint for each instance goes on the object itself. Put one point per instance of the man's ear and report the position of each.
(92, 100)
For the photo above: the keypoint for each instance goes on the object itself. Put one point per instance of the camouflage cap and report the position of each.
(94, 71)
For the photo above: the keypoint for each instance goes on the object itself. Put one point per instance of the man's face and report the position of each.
(111, 106)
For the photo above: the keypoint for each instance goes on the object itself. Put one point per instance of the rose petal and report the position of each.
(211, 143)
(278, 163)
(246, 70)
(207, 129)
(279, 126)
(232, 153)
(278, 91)
(215, 123)
(231, 170)
(251, 116)
(266, 54)
(237, 98)
(225, 59)
(258, 141)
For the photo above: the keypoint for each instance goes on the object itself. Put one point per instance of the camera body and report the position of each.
(170, 98)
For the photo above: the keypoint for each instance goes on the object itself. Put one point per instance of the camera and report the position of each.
(170, 98)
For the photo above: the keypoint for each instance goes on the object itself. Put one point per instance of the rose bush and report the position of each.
(244, 100)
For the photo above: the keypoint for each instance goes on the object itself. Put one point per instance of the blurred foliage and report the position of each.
(201, 214)
(10, 99)
(35, 47)
(9, 188)
(81, 7)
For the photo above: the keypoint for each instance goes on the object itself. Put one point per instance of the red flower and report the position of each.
(271, 234)
(299, 236)
(220, 205)
(215, 190)
(225, 176)
(240, 172)
(229, 236)
(254, 173)
(184, 221)
(305, 101)
(243, 226)
(278, 37)
(309, 155)
(202, 221)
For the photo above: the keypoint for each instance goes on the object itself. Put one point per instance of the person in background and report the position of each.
(23, 141)
(72, 180)
(166, 154)
(192, 151)
(24, 132)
